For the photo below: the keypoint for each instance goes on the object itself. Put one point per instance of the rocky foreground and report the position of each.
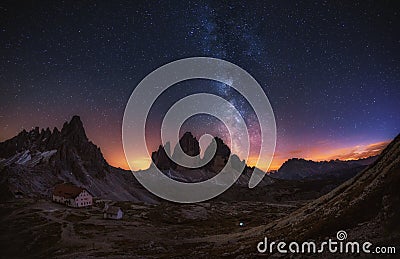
(366, 206)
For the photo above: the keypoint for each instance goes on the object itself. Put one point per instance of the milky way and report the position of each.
(330, 69)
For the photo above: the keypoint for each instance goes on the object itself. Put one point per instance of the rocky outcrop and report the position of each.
(35, 161)
(190, 147)
(220, 158)
(189, 144)
(74, 152)
(366, 206)
(371, 195)
(161, 159)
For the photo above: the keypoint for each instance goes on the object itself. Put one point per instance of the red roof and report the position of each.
(67, 190)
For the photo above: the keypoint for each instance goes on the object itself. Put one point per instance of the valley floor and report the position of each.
(41, 228)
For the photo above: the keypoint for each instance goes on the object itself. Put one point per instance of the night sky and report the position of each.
(331, 70)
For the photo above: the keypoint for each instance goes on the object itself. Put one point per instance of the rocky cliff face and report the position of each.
(33, 162)
(220, 158)
(161, 159)
(367, 207)
(72, 151)
(191, 147)
(217, 161)
(189, 144)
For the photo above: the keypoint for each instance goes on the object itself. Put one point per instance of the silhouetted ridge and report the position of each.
(161, 159)
(74, 130)
(189, 144)
(298, 168)
(220, 158)
(73, 151)
(367, 206)
(191, 147)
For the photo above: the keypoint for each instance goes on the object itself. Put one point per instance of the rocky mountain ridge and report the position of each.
(68, 149)
(300, 169)
(366, 206)
(216, 161)
(33, 162)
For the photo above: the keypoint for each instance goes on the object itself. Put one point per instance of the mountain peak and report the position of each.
(74, 129)
(189, 144)
(76, 120)
(187, 134)
(71, 149)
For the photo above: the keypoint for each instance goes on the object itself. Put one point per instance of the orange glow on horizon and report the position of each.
(317, 153)
(120, 161)
(349, 152)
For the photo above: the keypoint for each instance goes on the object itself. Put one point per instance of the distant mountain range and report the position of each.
(299, 169)
(292, 169)
(34, 162)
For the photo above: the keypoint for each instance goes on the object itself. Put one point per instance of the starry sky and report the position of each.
(330, 69)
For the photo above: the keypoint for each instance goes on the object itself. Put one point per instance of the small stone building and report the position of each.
(113, 212)
(72, 196)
